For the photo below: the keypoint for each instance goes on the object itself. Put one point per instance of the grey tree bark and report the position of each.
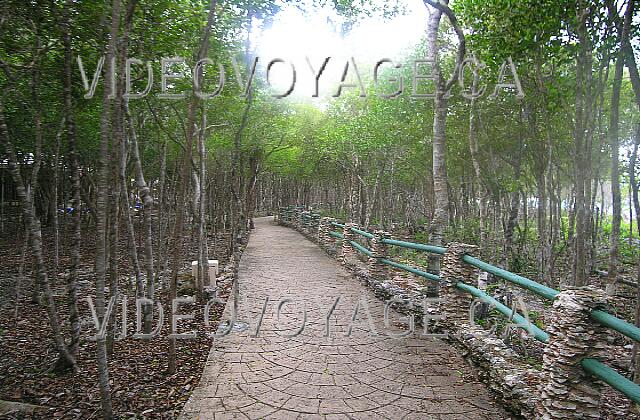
(184, 176)
(74, 168)
(440, 218)
(583, 134)
(66, 360)
(147, 214)
(102, 198)
(612, 279)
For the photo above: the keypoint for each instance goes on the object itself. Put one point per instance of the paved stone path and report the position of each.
(276, 375)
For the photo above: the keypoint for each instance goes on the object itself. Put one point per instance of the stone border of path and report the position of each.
(512, 380)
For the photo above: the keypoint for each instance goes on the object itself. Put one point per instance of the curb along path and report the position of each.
(291, 369)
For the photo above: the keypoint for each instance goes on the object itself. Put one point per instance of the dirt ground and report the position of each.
(140, 384)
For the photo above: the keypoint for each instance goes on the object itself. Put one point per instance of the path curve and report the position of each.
(279, 375)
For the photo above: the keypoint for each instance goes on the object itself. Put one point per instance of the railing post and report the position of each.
(303, 221)
(297, 215)
(287, 217)
(315, 221)
(567, 391)
(325, 226)
(455, 302)
(378, 270)
(306, 221)
(347, 249)
(311, 225)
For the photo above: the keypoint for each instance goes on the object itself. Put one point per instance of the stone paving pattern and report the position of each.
(276, 375)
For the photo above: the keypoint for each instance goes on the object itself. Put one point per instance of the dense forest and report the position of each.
(137, 136)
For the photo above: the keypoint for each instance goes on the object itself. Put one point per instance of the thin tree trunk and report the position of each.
(473, 149)
(183, 181)
(31, 189)
(131, 233)
(203, 253)
(20, 279)
(102, 196)
(442, 87)
(147, 214)
(74, 167)
(54, 204)
(162, 216)
(35, 239)
(612, 279)
(441, 213)
(636, 205)
(582, 137)
(514, 208)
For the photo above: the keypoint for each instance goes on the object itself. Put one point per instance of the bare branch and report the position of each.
(462, 46)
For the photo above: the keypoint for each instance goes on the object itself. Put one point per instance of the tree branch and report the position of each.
(462, 45)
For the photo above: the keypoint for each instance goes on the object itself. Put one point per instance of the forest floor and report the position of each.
(140, 384)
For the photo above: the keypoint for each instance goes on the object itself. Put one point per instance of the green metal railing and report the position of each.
(613, 378)
(362, 232)
(420, 247)
(532, 286)
(337, 235)
(520, 321)
(361, 248)
(590, 365)
(416, 271)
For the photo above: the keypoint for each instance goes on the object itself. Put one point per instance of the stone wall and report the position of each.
(567, 389)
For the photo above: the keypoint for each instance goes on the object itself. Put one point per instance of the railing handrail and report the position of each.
(538, 333)
(337, 235)
(412, 245)
(410, 269)
(611, 377)
(532, 286)
(361, 248)
(362, 232)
